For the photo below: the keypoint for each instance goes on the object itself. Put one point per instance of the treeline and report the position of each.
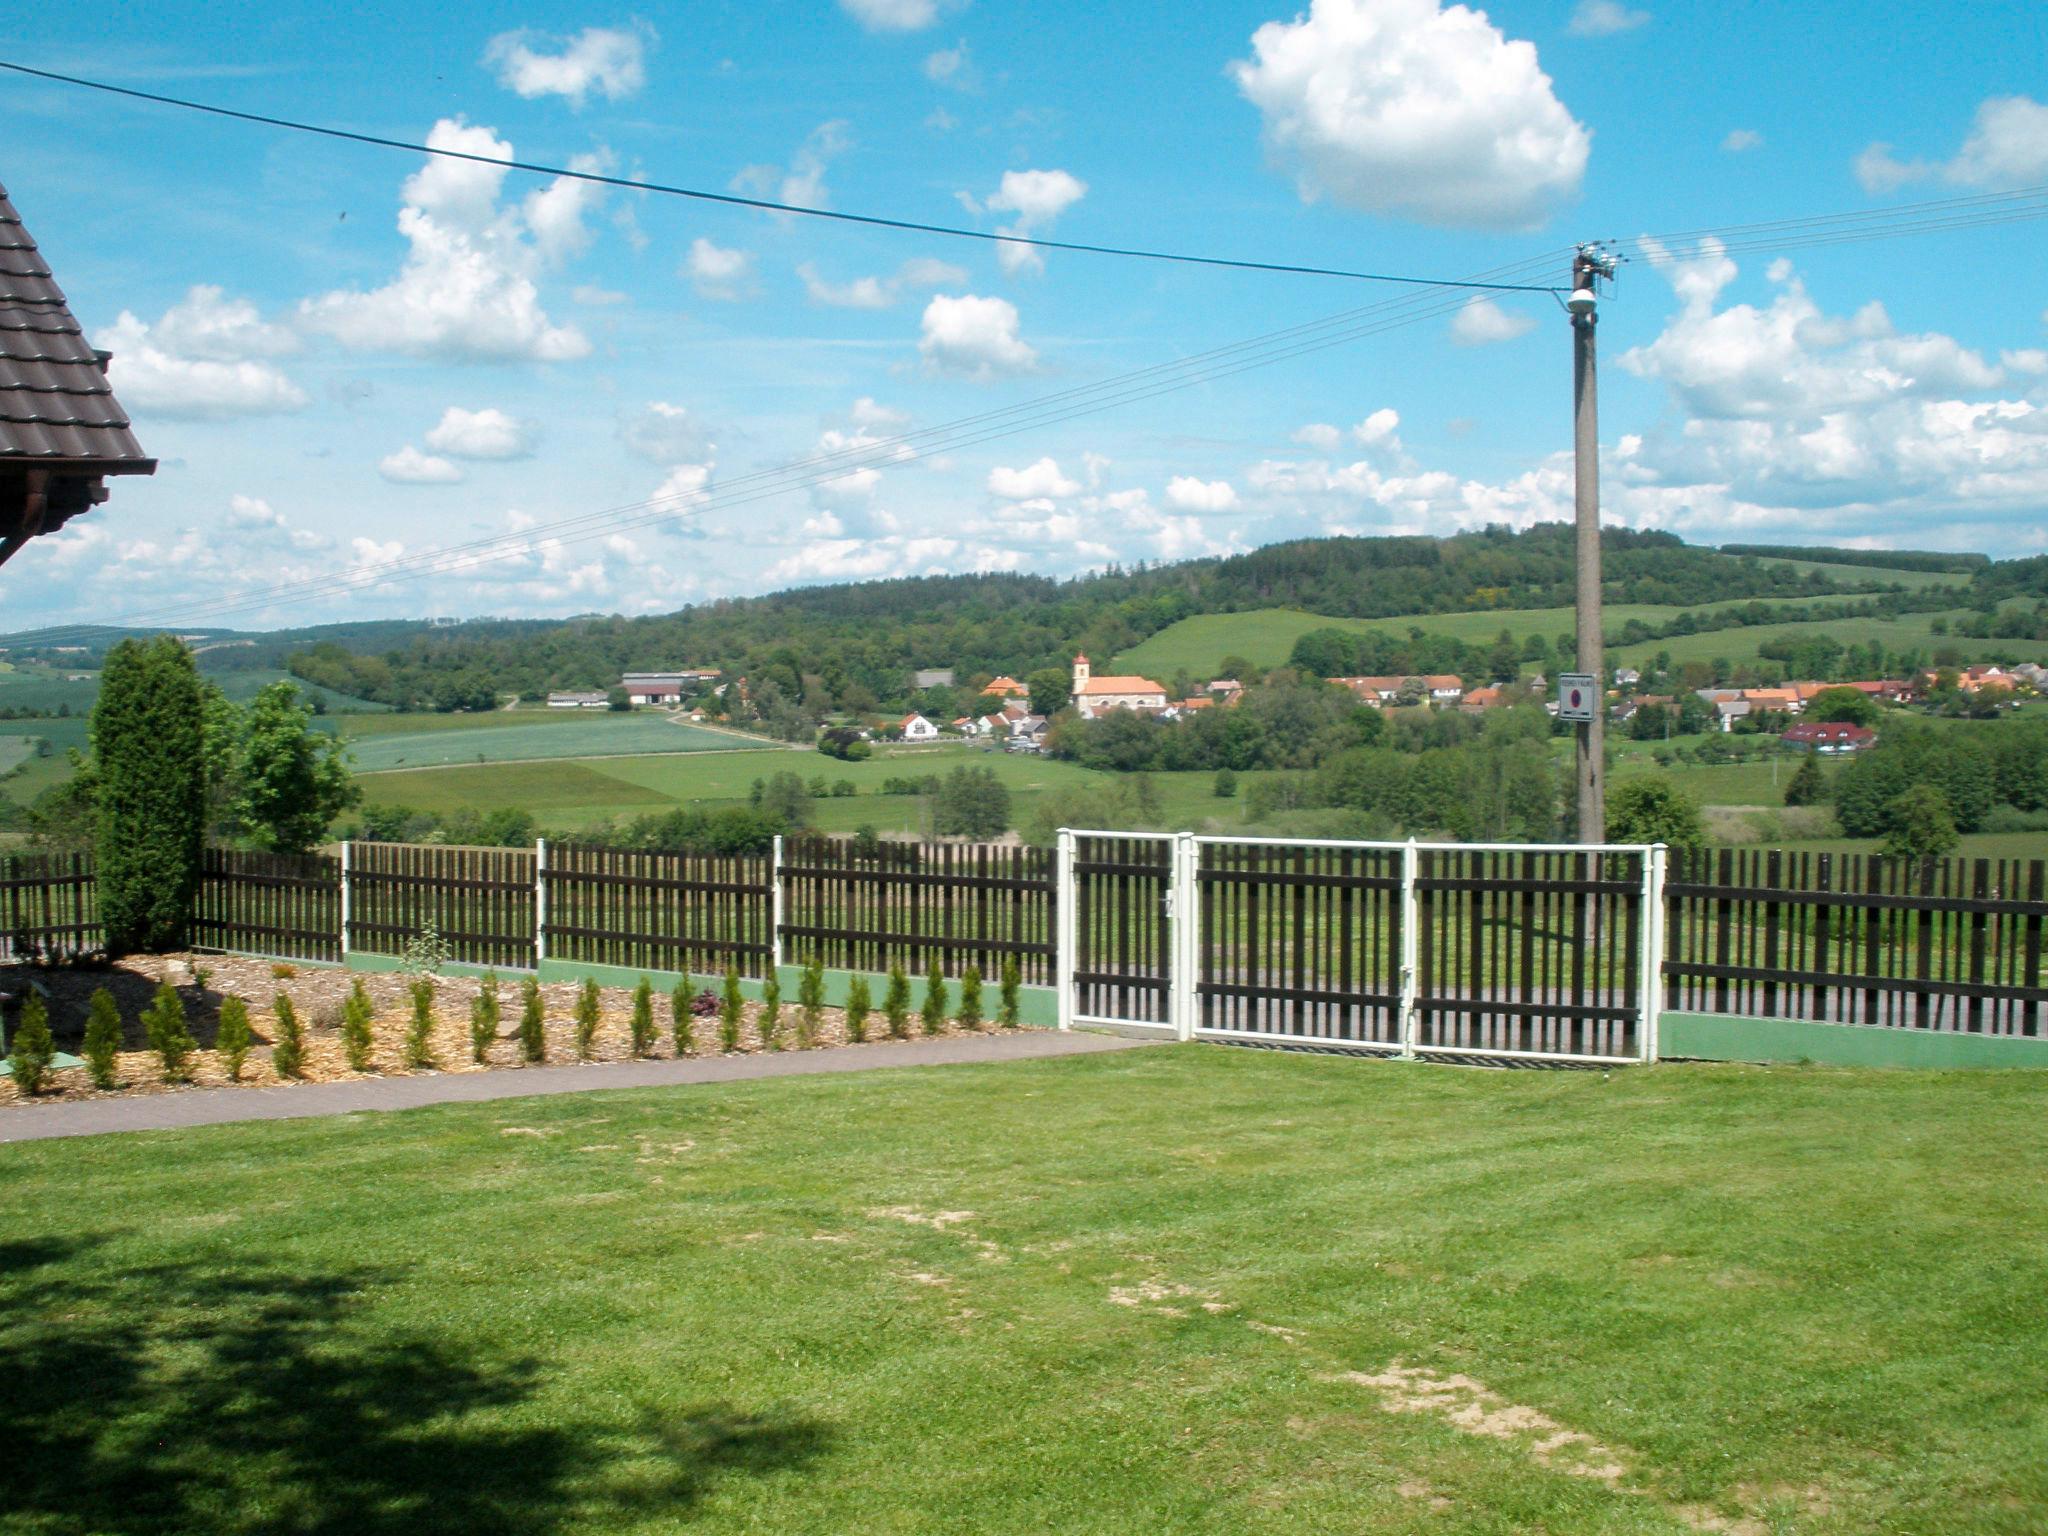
(1289, 722)
(1887, 559)
(1982, 774)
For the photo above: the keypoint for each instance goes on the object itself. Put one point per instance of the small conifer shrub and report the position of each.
(356, 1040)
(643, 1018)
(934, 1011)
(588, 1010)
(419, 1034)
(896, 1002)
(232, 1036)
(858, 1006)
(731, 1006)
(969, 1013)
(811, 998)
(163, 1022)
(102, 1038)
(533, 1020)
(769, 1020)
(288, 1050)
(483, 1018)
(682, 1018)
(32, 1050)
(1013, 985)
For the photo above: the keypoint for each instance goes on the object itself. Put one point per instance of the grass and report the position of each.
(1110, 1294)
(489, 739)
(568, 795)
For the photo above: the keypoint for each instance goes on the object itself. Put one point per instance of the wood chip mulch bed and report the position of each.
(317, 993)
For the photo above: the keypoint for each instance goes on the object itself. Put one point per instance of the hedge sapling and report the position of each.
(643, 1018)
(858, 1006)
(419, 1034)
(969, 1013)
(288, 1050)
(483, 1018)
(163, 1022)
(896, 1002)
(1013, 986)
(232, 1036)
(934, 1010)
(769, 1020)
(103, 1038)
(356, 1040)
(682, 1021)
(731, 1006)
(811, 996)
(533, 1021)
(588, 1010)
(32, 1049)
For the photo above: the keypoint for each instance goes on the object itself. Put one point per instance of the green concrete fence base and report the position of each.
(1724, 1037)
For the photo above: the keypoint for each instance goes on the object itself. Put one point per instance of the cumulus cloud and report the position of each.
(1741, 140)
(1411, 108)
(409, 466)
(2007, 147)
(1037, 198)
(917, 274)
(203, 360)
(664, 434)
(253, 512)
(485, 434)
(1482, 322)
(1037, 480)
(802, 185)
(974, 337)
(608, 60)
(1604, 18)
(1189, 494)
(893, 15)
(1319, 435)
(718, 271)
(468, 288)
(952, 67)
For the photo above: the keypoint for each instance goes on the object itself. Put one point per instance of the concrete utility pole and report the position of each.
(1588, 266)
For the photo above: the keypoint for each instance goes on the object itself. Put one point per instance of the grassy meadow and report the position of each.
(1152, 1291)
(522, 736)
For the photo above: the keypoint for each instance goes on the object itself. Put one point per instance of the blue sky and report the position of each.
(347, 357)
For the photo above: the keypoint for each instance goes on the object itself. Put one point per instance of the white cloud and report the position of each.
(952, 67)
(253, 512)
(803, 184)
(467, 289)
(1379, 430)
(409, 466)
(609, 60)
(664, 434)
(1040, 479)
(592, 296)
(684, 485)
(718, 271)
(2007, 147)
(1191, 495)
(1604, 18)
(974, 337)
(202, 360)
(1483, 322)
(897, 555)
(880, 292)
(1319, 435)
(1404, 107)
(868, 412)
(892, 15)
(1037, 198)
(485, 434)
(1740, 140)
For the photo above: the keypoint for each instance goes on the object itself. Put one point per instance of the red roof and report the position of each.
(1829, 733)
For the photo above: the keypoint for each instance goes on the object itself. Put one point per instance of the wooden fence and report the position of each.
(963, 904)
(1932, 944)
(480, 901)
(288, 905)
(48, 902)
(658, 911)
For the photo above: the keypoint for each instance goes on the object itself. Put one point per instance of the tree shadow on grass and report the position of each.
(187, 1397)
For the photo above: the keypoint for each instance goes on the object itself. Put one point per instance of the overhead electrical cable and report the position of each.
(762, 204)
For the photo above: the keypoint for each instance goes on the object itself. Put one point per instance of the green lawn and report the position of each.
(1179, 1290)
(1851, 575)
(511, 738)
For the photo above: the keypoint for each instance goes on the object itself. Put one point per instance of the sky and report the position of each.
(352, 359)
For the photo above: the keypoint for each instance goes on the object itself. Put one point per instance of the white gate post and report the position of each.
(1186, 937)
(540, 901)
(345, 864)
(1411, 947)
(1064, 927)
(1650, 991)
(775, 909)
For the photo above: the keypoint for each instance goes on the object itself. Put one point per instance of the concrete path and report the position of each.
(223, 1106)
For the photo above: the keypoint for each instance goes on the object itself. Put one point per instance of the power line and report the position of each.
(768, 205)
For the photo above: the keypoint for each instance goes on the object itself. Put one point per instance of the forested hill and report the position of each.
(860, 639)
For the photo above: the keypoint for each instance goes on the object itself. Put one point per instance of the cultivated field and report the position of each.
(1181, 1289)
(378, 743)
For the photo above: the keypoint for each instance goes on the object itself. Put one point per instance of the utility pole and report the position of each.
(1589, 265)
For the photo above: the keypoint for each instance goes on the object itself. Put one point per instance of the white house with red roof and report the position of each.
(1095, 695)
(917, 728)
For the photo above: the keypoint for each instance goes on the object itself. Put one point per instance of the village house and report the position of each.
(1005, 687)
(1490, 697)
(1829, 736)
(1094, 695)
(573, 700)
(932, 677)
(655, 687)
(917, 728)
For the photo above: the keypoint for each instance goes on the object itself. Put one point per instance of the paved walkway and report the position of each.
(223, 1106)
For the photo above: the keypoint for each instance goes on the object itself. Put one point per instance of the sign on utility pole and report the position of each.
(1589, 265)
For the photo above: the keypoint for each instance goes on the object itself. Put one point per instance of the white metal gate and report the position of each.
(1120, 900)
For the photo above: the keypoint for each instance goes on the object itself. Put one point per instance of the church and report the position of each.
(1092, 695)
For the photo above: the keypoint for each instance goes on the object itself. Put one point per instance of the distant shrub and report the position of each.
(589, 1008)
(811, 1000)
(283, 972)
(1013, 984)
(643, 1018)
(232, 1036)
(483, 1018)
(356, 1040)
(681, 1016)
(163, 1023)
(934, 1011)
(419, 1034)
(896, 1002)
(858, 1006)
(731, 1006)
(288, 1049)
(705, 1004)
(533, 1022)
(102, 1037)
(969, 1013)
(32, 1050)
(768, 1022)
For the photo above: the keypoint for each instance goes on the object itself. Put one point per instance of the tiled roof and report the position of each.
(55, 402)
(1120, 685)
